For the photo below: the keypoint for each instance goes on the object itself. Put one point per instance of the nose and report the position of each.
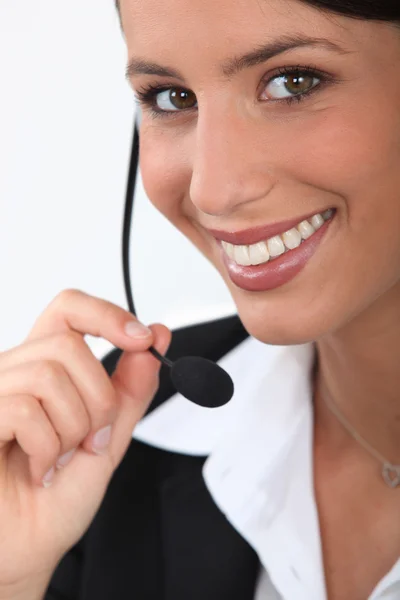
(230, 166)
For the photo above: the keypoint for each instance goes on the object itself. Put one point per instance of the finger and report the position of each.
(74, 310)
(50, 384)
(84, 370)
(136, 380)
(23, 419)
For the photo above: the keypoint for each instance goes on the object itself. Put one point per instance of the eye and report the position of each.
(174, 99)
(289, 85)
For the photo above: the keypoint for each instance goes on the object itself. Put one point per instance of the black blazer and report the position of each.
(158, 534)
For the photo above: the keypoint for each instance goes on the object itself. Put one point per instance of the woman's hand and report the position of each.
(59, 407)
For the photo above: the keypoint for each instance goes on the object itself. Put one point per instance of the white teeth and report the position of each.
(305, 229)
(327, 214)
(275, 246)
(292, 238)
(258, 253)
(317, 221)
(229, 248)
(261, 252)
(241, 255)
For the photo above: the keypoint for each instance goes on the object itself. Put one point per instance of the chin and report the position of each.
(276, 333)
(276, 321)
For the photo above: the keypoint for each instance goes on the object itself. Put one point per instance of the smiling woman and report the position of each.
(270, 138)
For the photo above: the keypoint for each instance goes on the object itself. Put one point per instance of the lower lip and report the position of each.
(278, 271)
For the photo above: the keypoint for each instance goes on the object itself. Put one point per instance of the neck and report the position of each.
(358, 370)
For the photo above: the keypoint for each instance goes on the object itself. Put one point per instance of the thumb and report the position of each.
(136, 380)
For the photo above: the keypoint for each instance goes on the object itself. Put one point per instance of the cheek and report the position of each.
(350, 151)
(165, 171)
(356, 155)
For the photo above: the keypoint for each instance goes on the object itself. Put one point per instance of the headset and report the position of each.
(198, 379)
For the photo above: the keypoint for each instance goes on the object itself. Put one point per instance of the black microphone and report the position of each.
(198, 379)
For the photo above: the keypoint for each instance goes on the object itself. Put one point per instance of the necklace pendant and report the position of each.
(391, 474)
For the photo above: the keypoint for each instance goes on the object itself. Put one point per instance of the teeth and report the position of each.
(305, 229)
(261, 252)
(275, 246)
(317, 221)
(229, 248)
(241, 255)
(327, 214)
(258, 253)
(292, 238)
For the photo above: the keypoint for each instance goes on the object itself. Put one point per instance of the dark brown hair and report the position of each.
(379, 10)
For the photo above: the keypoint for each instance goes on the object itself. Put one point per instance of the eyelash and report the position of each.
(146, 96)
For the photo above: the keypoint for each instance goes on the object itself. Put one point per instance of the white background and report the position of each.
(66, 115)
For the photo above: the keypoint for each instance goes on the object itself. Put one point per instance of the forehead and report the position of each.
(198, 36)
(205, 21)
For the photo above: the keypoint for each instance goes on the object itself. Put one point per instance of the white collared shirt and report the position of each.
(259, 469)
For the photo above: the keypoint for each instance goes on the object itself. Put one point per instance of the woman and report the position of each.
(271, 138)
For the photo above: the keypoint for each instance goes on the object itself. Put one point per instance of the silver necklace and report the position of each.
(390, 472)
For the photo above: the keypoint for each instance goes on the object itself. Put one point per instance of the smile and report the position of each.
(265, 251)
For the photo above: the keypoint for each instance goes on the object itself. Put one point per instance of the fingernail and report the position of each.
(65, 459)
(101, 439)
(48, 478)
(135, 329)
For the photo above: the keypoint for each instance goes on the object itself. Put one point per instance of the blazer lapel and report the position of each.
(123, 556)
(204, 557)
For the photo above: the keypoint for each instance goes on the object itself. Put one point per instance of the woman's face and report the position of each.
(224, 148)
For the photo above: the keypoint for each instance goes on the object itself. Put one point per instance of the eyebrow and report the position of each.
(234, 65)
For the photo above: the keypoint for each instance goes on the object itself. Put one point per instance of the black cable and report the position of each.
(126, 235)
(126, 232)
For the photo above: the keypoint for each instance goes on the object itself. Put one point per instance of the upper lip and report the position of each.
(258, 234)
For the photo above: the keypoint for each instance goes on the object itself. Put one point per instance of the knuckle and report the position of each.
(48, 371)
(69, 342)
(24, 407)
(77, 431)
(65, 297)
